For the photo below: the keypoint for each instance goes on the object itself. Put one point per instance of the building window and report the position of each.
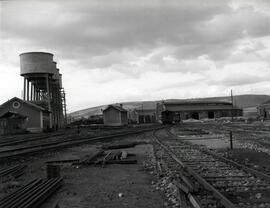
(16, 105)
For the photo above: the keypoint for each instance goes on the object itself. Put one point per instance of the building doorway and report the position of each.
(211, 114)
(147, 119)
(195, 115)
(141, 119)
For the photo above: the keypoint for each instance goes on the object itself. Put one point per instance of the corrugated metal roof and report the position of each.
(197, 102)
(176, 108)
(198, 106)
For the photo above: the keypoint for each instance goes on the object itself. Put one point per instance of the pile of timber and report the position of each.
(31, 195)
(99, 157)
(122, 145)
(91, 159)
(117, 157)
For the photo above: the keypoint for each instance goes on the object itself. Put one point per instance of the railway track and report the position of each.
(70, 141)
(18, 139)
(208, 180)
(30, 138)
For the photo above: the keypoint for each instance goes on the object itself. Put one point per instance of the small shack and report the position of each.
(37, 117)
(12, 123)
(115, 115)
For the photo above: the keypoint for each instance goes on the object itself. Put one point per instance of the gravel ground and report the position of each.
(129, 185)
(248, 148)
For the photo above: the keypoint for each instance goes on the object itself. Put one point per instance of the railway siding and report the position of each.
(231, 184)
(68, 142)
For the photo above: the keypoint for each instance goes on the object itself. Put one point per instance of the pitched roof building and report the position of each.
(37, 118)
(115, 115)
(198, 109)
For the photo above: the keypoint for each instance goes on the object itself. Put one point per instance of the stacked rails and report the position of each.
(43, 85)
(11, 172)
(31, 195)
(230, 184)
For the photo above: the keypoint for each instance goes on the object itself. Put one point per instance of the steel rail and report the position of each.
(20, 141)
(62, 144)
(29, 137)
(248, 172)
(13, 196)
(31, 195)
(37, 195)
(22, 197)
(231, 162)
(225, 202)
(14, 171)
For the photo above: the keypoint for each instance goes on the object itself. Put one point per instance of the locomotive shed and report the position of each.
(173, 112)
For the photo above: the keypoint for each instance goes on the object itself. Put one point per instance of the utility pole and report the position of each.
(232, 104)
(143, 114)
(231, 140)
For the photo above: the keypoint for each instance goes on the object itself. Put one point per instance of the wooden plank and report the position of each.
(182, 199)
(240, 186)
(181, 186)
(63, 161)
(194, 201)
(224, 176)
(192, 187)
(121, 161)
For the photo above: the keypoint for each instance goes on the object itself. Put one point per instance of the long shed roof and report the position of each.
(197, 102)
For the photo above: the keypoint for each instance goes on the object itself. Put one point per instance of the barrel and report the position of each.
(53, 171)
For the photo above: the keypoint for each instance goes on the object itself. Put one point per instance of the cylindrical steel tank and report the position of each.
(36, 63)
(55, 71)
(60, 81)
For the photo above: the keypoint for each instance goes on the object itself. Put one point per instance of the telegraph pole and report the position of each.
(232, 104)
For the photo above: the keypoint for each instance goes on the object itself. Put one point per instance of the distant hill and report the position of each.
(242, 101)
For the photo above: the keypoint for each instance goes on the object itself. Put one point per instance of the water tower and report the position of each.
(43, 85)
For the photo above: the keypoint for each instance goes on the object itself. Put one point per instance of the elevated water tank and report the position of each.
(55, 71)
(36, 63)
(60, 81)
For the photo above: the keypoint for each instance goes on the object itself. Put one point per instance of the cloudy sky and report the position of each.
(117, 51)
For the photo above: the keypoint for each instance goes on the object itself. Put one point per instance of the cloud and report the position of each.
(140, 49)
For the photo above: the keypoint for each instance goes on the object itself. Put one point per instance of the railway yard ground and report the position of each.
(185, 165)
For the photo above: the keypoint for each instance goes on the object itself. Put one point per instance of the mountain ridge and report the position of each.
(242, 101)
